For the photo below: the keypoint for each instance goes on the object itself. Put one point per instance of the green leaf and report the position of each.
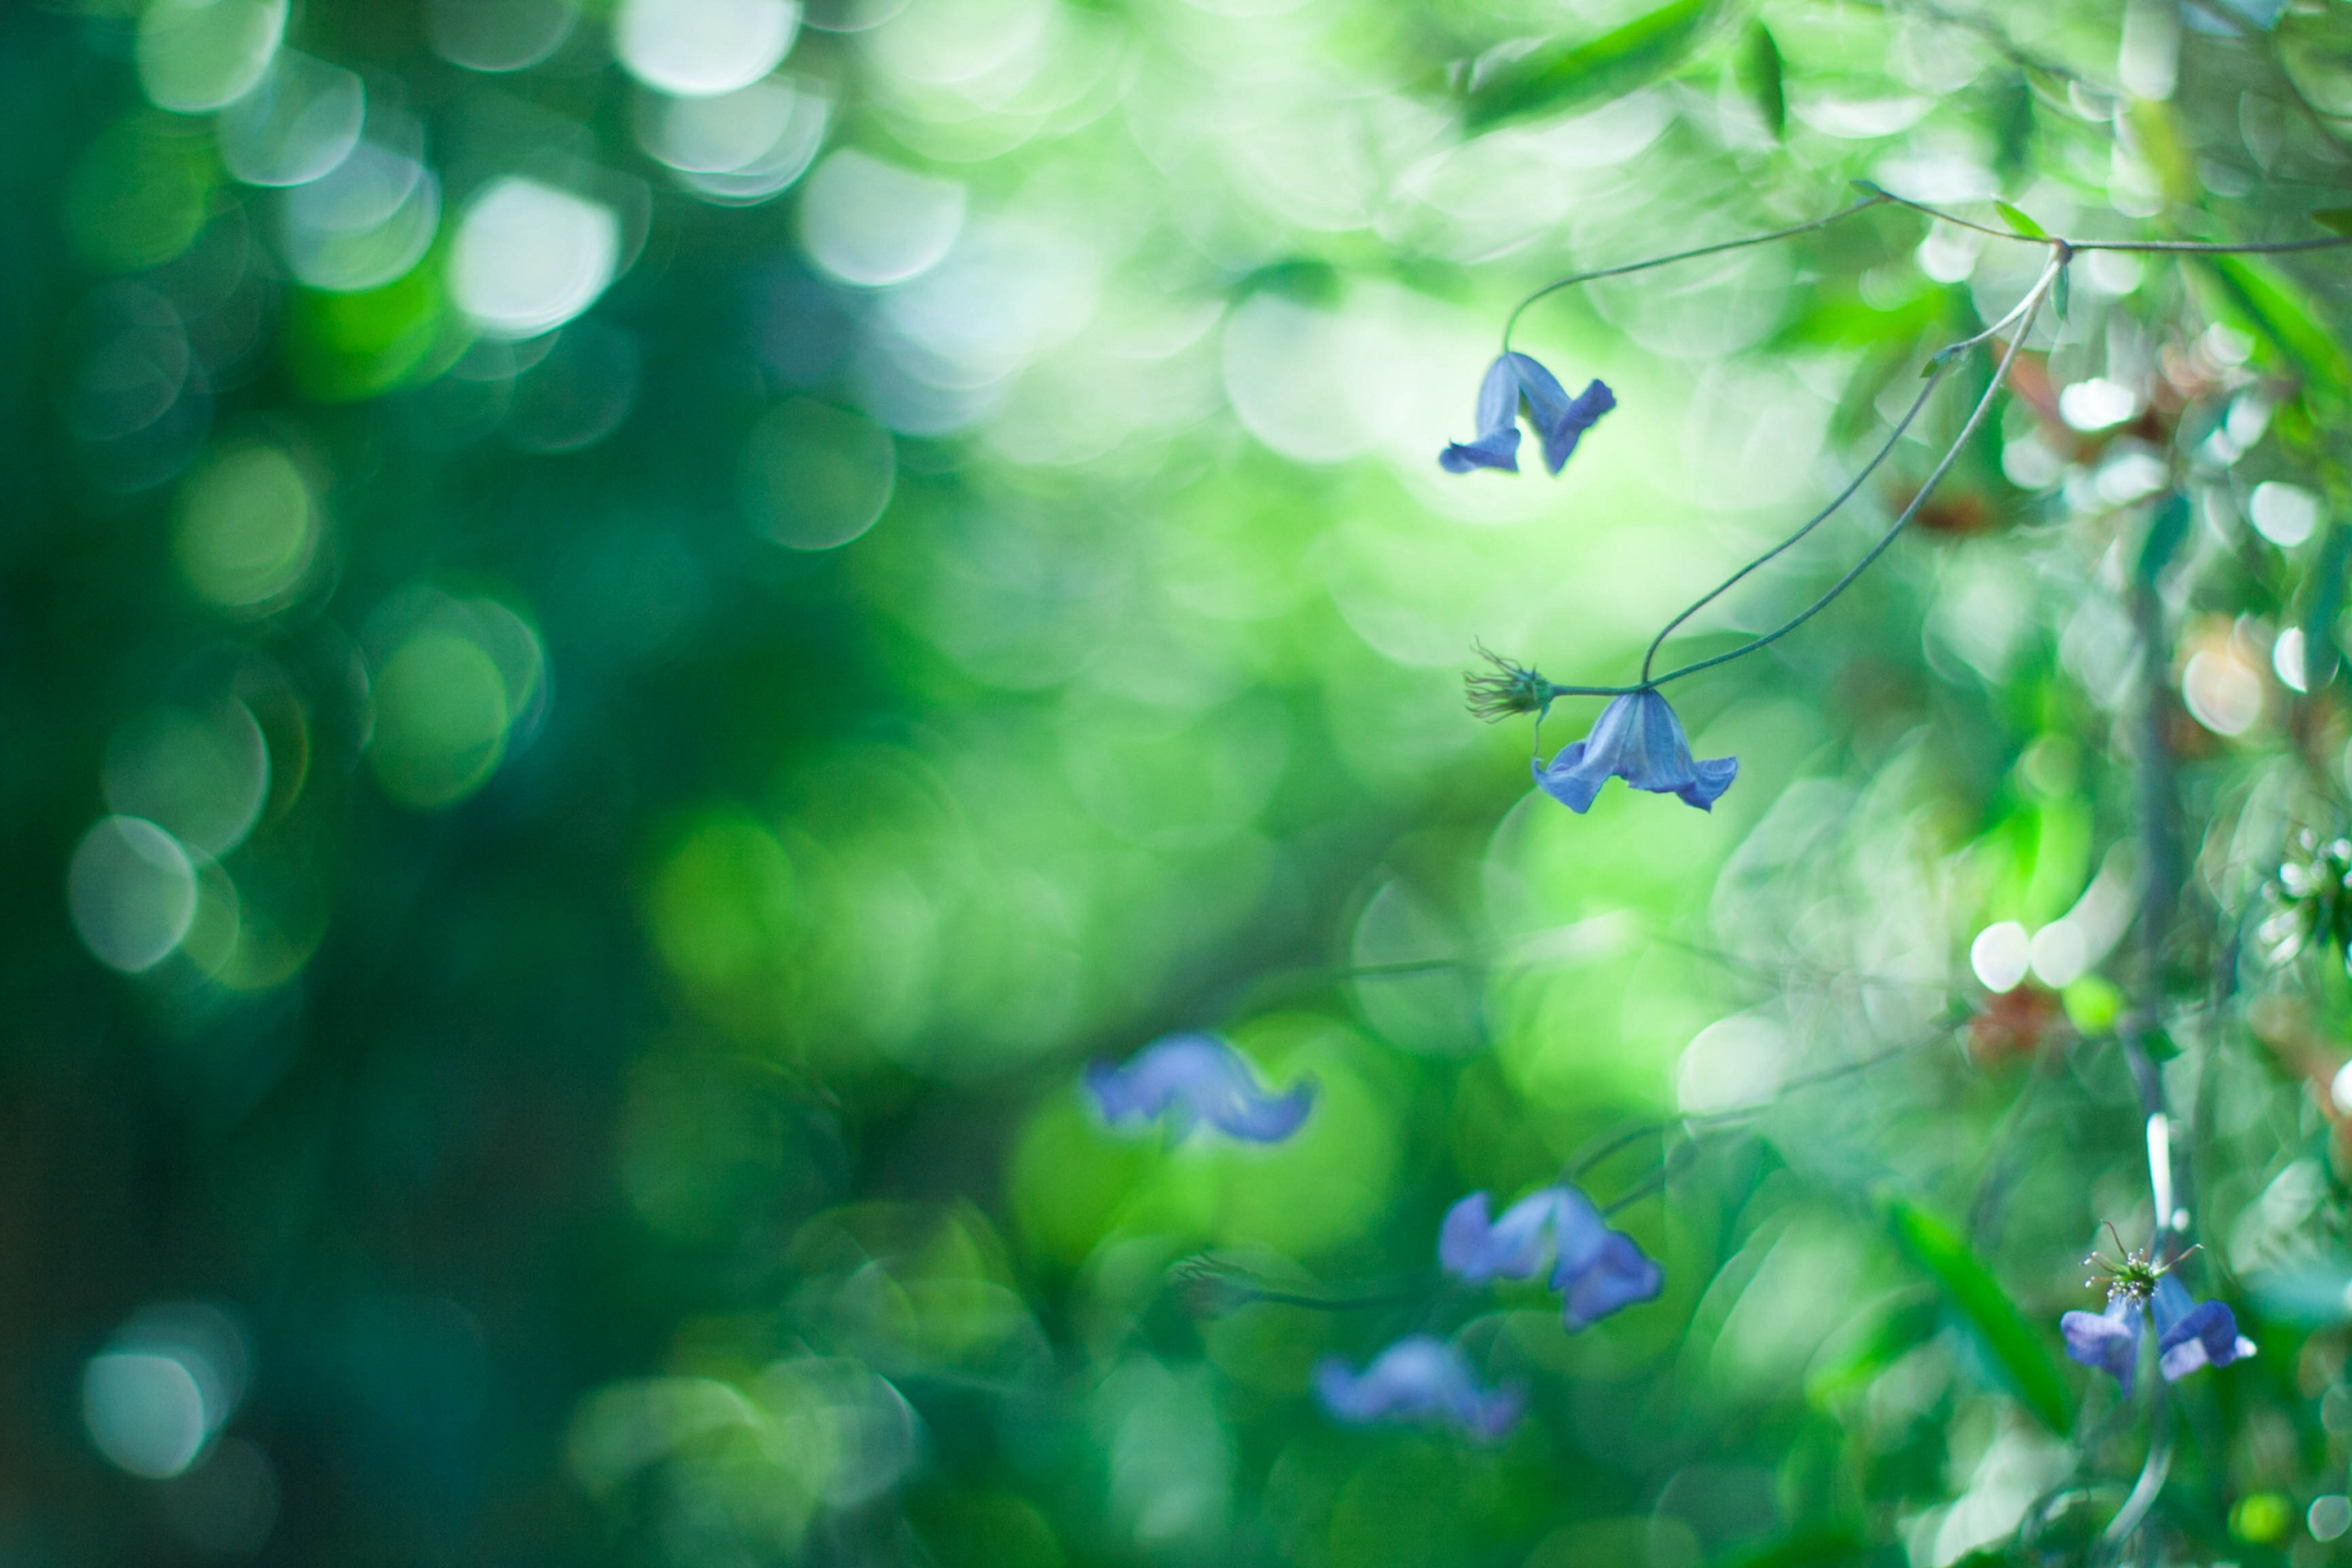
(2023, 1354)
(2334, 220)
(2020, 222)
(2263, 298)
(1760, 74)
(2063, 294)
(1852, 1360)
(1558, 78)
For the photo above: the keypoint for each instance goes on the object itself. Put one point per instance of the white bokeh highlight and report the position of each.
(530, 257)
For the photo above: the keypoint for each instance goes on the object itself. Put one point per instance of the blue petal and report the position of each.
(1638, 739)
(1495, 450)
(1498, 397)
(1578, 1234)
(1418, 1378)
(2206, 1335)
(1709, 779)
(1571, 780)
(1547, 399)
(1497, 445)
(1183, 1080)
(1259, 1118)
(1653, 755)
(1560, 436)
(2109, 1340)
(1620, 1275)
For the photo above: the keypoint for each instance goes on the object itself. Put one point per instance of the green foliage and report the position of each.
(2023, 1354)
(608, 704)
(1558, 77)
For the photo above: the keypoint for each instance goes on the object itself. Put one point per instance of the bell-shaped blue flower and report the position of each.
(1191, 1078)
(1497, 445)
(2189, 1335)
(2109, 1340)
(1419, 1378)
(2192, 1334)
(1559, 420)
(1638, 739)
(1616, 1274)
(1596, 1269)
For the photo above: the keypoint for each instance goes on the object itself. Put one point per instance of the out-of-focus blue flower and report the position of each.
(2189, 1335)
(1596, 1269)
(1189, 1079)
(1617, 1274)
(2109, 1340)
(1419, 1378)
(1559, 420)
(1497, 445)
(1638, 739)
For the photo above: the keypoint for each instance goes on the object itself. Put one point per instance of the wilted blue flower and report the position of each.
(2189, 1335)
(1419, 1378)
(1187, 1078)
(1596, 1269)
(1559, 420)
(1638, 739)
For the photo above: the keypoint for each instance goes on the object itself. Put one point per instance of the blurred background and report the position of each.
(632, 627)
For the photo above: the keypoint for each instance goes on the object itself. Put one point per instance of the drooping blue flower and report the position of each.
(1189, 1079)
(2190, 1333)
(1497, 445)
(1596, 1269)
(2109, 1340)
(1419, 1378)
(1638, 739)
(1617, 1274)
(1559, 420)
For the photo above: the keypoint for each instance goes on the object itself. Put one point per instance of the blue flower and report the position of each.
(1638, 739)
(2109, 1340)
(1559, 420)
(2189, 1335)
(1596, 1269)
(1419, 1378)
(2193, 1334)
(1189, 1078)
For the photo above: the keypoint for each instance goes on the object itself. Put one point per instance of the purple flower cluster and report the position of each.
(1560, 421)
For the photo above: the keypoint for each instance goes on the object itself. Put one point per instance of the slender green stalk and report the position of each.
(1935, 374)
(1513, 320)
(1976, 417)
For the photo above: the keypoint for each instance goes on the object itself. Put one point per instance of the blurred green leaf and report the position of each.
(1978, 1296)
(2021, 223)
(1760, 74)
(1557, 78)
(1894, 1331)
(2335, 220)
(2267, 300)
